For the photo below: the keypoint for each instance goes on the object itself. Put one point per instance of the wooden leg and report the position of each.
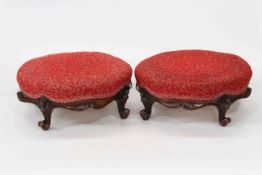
(223, 105)
(46, 108)
(45, 105)
(147, 101)
(121, 99)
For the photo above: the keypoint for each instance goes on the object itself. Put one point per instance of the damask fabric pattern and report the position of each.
(193, 74)
(75, 76)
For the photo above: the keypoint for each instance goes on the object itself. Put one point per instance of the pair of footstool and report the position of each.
(79, 80)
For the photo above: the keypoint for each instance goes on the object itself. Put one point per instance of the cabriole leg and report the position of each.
(223, 105)
(147, 101)
(46, 108)
(121, 99)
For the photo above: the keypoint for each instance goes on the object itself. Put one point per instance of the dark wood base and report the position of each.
(222, 103)
(46, 106)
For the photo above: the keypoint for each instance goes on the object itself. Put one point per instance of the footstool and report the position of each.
(193, 79)
(74, 81)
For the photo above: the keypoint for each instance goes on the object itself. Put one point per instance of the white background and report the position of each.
(89, 142)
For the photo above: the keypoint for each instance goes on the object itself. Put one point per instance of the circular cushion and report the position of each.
(70, 77)
(193, 74)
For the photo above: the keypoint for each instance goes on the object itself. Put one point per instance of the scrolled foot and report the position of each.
(248, 92)
(125, 113)
(225, 121)
(44, 125)
(144, 114)
(21, 97)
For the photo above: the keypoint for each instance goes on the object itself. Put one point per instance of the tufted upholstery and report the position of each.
(193, 74)
(69, 77)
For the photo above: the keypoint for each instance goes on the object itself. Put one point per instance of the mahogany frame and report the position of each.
(47, 106)
(222, 103)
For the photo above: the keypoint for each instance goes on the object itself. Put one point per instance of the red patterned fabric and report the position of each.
(193, 74)
(69, 77)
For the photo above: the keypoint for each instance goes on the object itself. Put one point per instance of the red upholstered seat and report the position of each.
(70, 77)
(193, 74)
